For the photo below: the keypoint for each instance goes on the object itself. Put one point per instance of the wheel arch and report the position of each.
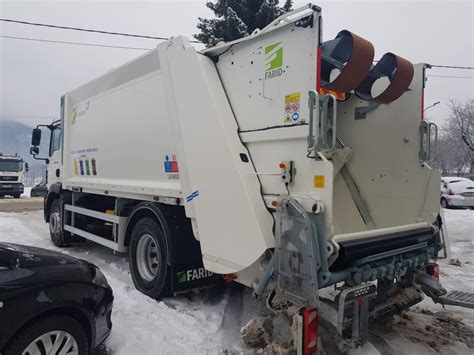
(54, 192)
(76, 313)
(181, 245)
(146, 209)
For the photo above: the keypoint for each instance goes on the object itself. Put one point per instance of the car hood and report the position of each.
(22, 256)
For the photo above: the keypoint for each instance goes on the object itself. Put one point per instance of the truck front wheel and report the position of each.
(148, 259)
(55, 224)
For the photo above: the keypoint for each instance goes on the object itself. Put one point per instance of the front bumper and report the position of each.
(11, 188)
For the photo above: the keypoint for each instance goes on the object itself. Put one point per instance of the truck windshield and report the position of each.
(10, 165)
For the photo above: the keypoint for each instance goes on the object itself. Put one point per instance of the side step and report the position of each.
(457, 298)
(118, 244)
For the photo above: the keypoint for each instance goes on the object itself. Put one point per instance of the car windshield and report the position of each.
(10, 165)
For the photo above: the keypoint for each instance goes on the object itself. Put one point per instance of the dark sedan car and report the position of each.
(39, 189)
(51, 303)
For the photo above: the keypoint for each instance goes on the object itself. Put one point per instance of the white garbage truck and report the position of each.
(12, 175)
(280, 161)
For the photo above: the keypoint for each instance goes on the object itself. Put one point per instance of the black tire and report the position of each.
(17, 196)
(444, 203)
(159, 285)
(48, 324)
(55, 225)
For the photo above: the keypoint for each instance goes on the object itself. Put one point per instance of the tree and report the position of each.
(238, 18)
(462, 118)
(455, 147)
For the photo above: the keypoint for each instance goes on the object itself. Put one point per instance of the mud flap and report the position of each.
(192, 276)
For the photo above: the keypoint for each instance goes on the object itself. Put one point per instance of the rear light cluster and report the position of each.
(433, 270)
(228, 278)
(450, 192)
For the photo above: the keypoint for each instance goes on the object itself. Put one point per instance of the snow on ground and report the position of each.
(209, 322)
(26, 192)
(140, 324)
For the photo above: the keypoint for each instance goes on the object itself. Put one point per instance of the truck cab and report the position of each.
(12, 175)
(53, 158)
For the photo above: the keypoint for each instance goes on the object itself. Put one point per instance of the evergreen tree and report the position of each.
(238, 18)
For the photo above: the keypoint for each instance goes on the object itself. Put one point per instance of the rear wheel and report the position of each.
(52, 335)
(444, 203)
(148, 259)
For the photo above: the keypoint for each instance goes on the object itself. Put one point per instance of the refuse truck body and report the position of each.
(279, 161)
(12, 175)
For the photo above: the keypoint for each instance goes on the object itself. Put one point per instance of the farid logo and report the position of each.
(273, 61)
(193, 274)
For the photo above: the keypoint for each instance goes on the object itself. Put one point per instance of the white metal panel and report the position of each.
(260, 100)
(385, 165)
(119, 139)
(256, 91)
(234, 225)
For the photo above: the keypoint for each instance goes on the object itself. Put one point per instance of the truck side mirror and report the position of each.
(27, 167)
(34, 150)
(36, 137)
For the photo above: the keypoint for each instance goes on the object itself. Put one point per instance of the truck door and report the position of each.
(54, 166)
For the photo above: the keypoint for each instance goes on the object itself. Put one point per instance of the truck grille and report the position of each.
(8, 178)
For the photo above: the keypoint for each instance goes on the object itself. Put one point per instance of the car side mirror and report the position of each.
(36, 137)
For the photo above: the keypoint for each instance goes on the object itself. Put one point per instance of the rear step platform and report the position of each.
(432, 287)
(457, 298)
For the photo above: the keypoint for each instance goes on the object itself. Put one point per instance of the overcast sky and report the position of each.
(33, 75)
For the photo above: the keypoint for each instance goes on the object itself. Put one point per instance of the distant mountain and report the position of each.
(15, 137)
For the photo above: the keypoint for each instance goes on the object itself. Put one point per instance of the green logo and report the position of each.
(273, 60)
(274, 56)
(181, 277)
(192, 274)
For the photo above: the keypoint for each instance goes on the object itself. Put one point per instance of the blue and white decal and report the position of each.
(192, 196)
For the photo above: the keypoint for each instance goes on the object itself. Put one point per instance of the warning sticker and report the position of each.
(292, 108)
(171, 166)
